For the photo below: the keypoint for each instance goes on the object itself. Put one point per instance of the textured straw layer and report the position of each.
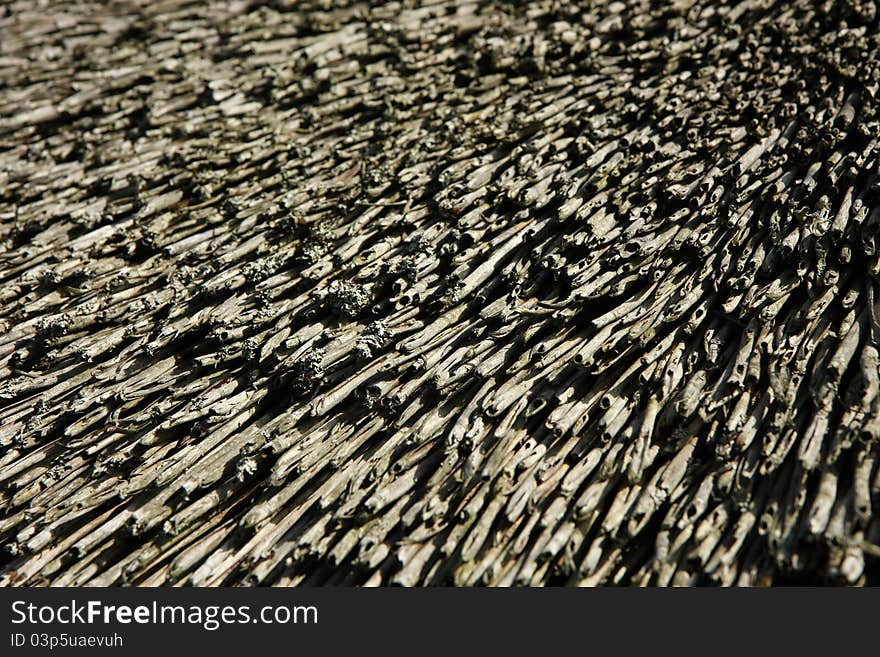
(443, 292)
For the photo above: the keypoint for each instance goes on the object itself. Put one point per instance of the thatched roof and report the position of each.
(326, 291)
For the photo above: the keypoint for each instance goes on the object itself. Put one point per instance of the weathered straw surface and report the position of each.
(447, 292)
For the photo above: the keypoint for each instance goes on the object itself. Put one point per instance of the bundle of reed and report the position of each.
(444, 292)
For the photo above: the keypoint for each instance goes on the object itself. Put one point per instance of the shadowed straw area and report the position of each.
(448, 292)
